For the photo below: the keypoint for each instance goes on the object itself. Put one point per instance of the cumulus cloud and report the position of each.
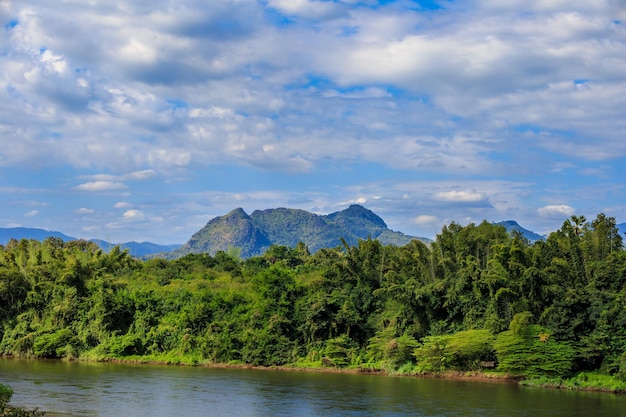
(94, 186)
(425, 219)
(84, 210)
(122, 205)
(459, 196)
(556, 210)
(162, 92)
(133, 214)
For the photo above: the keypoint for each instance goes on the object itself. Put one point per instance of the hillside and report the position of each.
(254, 233)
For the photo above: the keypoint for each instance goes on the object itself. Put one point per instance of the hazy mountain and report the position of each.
(20, 233)
(134, 248)
(254, 233)
(622, 231)
(512, 225)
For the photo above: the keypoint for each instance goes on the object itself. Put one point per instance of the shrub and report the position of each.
(7, 411)
(533, 353)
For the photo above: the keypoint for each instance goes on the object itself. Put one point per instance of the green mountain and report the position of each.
(254, 234)
(234, 230)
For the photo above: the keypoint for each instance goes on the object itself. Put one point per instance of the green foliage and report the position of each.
(390, 351)
(466, 349)
(558, 307)
(582, 381)
(54, 345)
(5, 396)
(534, 353)
(432, 355)
(7, 411)
(340, 352)
(462, 350)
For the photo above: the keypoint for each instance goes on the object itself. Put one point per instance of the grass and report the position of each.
(588, 381)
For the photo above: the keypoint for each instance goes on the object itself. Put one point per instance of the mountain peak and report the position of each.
(238, 212)
(363, 222)
(512, 225)
(255, 233)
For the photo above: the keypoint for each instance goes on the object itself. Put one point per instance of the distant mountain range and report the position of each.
(255, 233)
(136, 249)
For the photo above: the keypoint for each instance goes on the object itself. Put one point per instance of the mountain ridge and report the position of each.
(253, 234)
(137, 249)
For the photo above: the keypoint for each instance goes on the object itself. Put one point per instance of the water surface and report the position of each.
(113, 390)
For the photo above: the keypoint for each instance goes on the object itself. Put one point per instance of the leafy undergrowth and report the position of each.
(588, 381)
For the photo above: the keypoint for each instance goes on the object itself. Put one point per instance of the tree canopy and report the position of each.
(475, 295)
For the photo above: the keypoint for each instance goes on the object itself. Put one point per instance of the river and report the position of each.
(116, 390)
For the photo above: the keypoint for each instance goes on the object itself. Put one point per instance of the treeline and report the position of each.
(475, 296)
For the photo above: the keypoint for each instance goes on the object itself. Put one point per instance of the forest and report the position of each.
(477, 299)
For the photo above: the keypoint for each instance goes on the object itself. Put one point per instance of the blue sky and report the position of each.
(144, 119)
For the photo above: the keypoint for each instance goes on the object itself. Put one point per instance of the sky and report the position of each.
(141, 120)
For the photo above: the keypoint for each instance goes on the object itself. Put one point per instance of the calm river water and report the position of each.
(96, 389)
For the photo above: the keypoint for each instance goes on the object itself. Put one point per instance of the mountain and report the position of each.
(19, 233)
(235, 229)
(622, 231)
(255, 233)
(363, 223)
(134, 248)
(512, 225)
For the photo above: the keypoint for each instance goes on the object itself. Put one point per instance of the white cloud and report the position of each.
(460, 196)
(312, 9)
(84, 210)
(122, 205)
(141, 175)
(31, 213)
(133, 214)
(425, 219)
(358, 200)
(101, 186)
(556, 210)
(474, 90)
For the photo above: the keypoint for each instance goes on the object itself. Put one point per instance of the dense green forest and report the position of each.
(552, 310)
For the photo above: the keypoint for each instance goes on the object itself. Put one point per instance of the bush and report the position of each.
(533, 353)
(462, 351)
(7, 411)
(391, 350)
(53, 345)
(432, 355)
(5, 396)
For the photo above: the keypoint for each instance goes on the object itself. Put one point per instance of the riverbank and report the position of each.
(584, 381)
(483, 376)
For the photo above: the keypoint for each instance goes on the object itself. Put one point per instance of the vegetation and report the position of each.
(8, 411)
(552, 312)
